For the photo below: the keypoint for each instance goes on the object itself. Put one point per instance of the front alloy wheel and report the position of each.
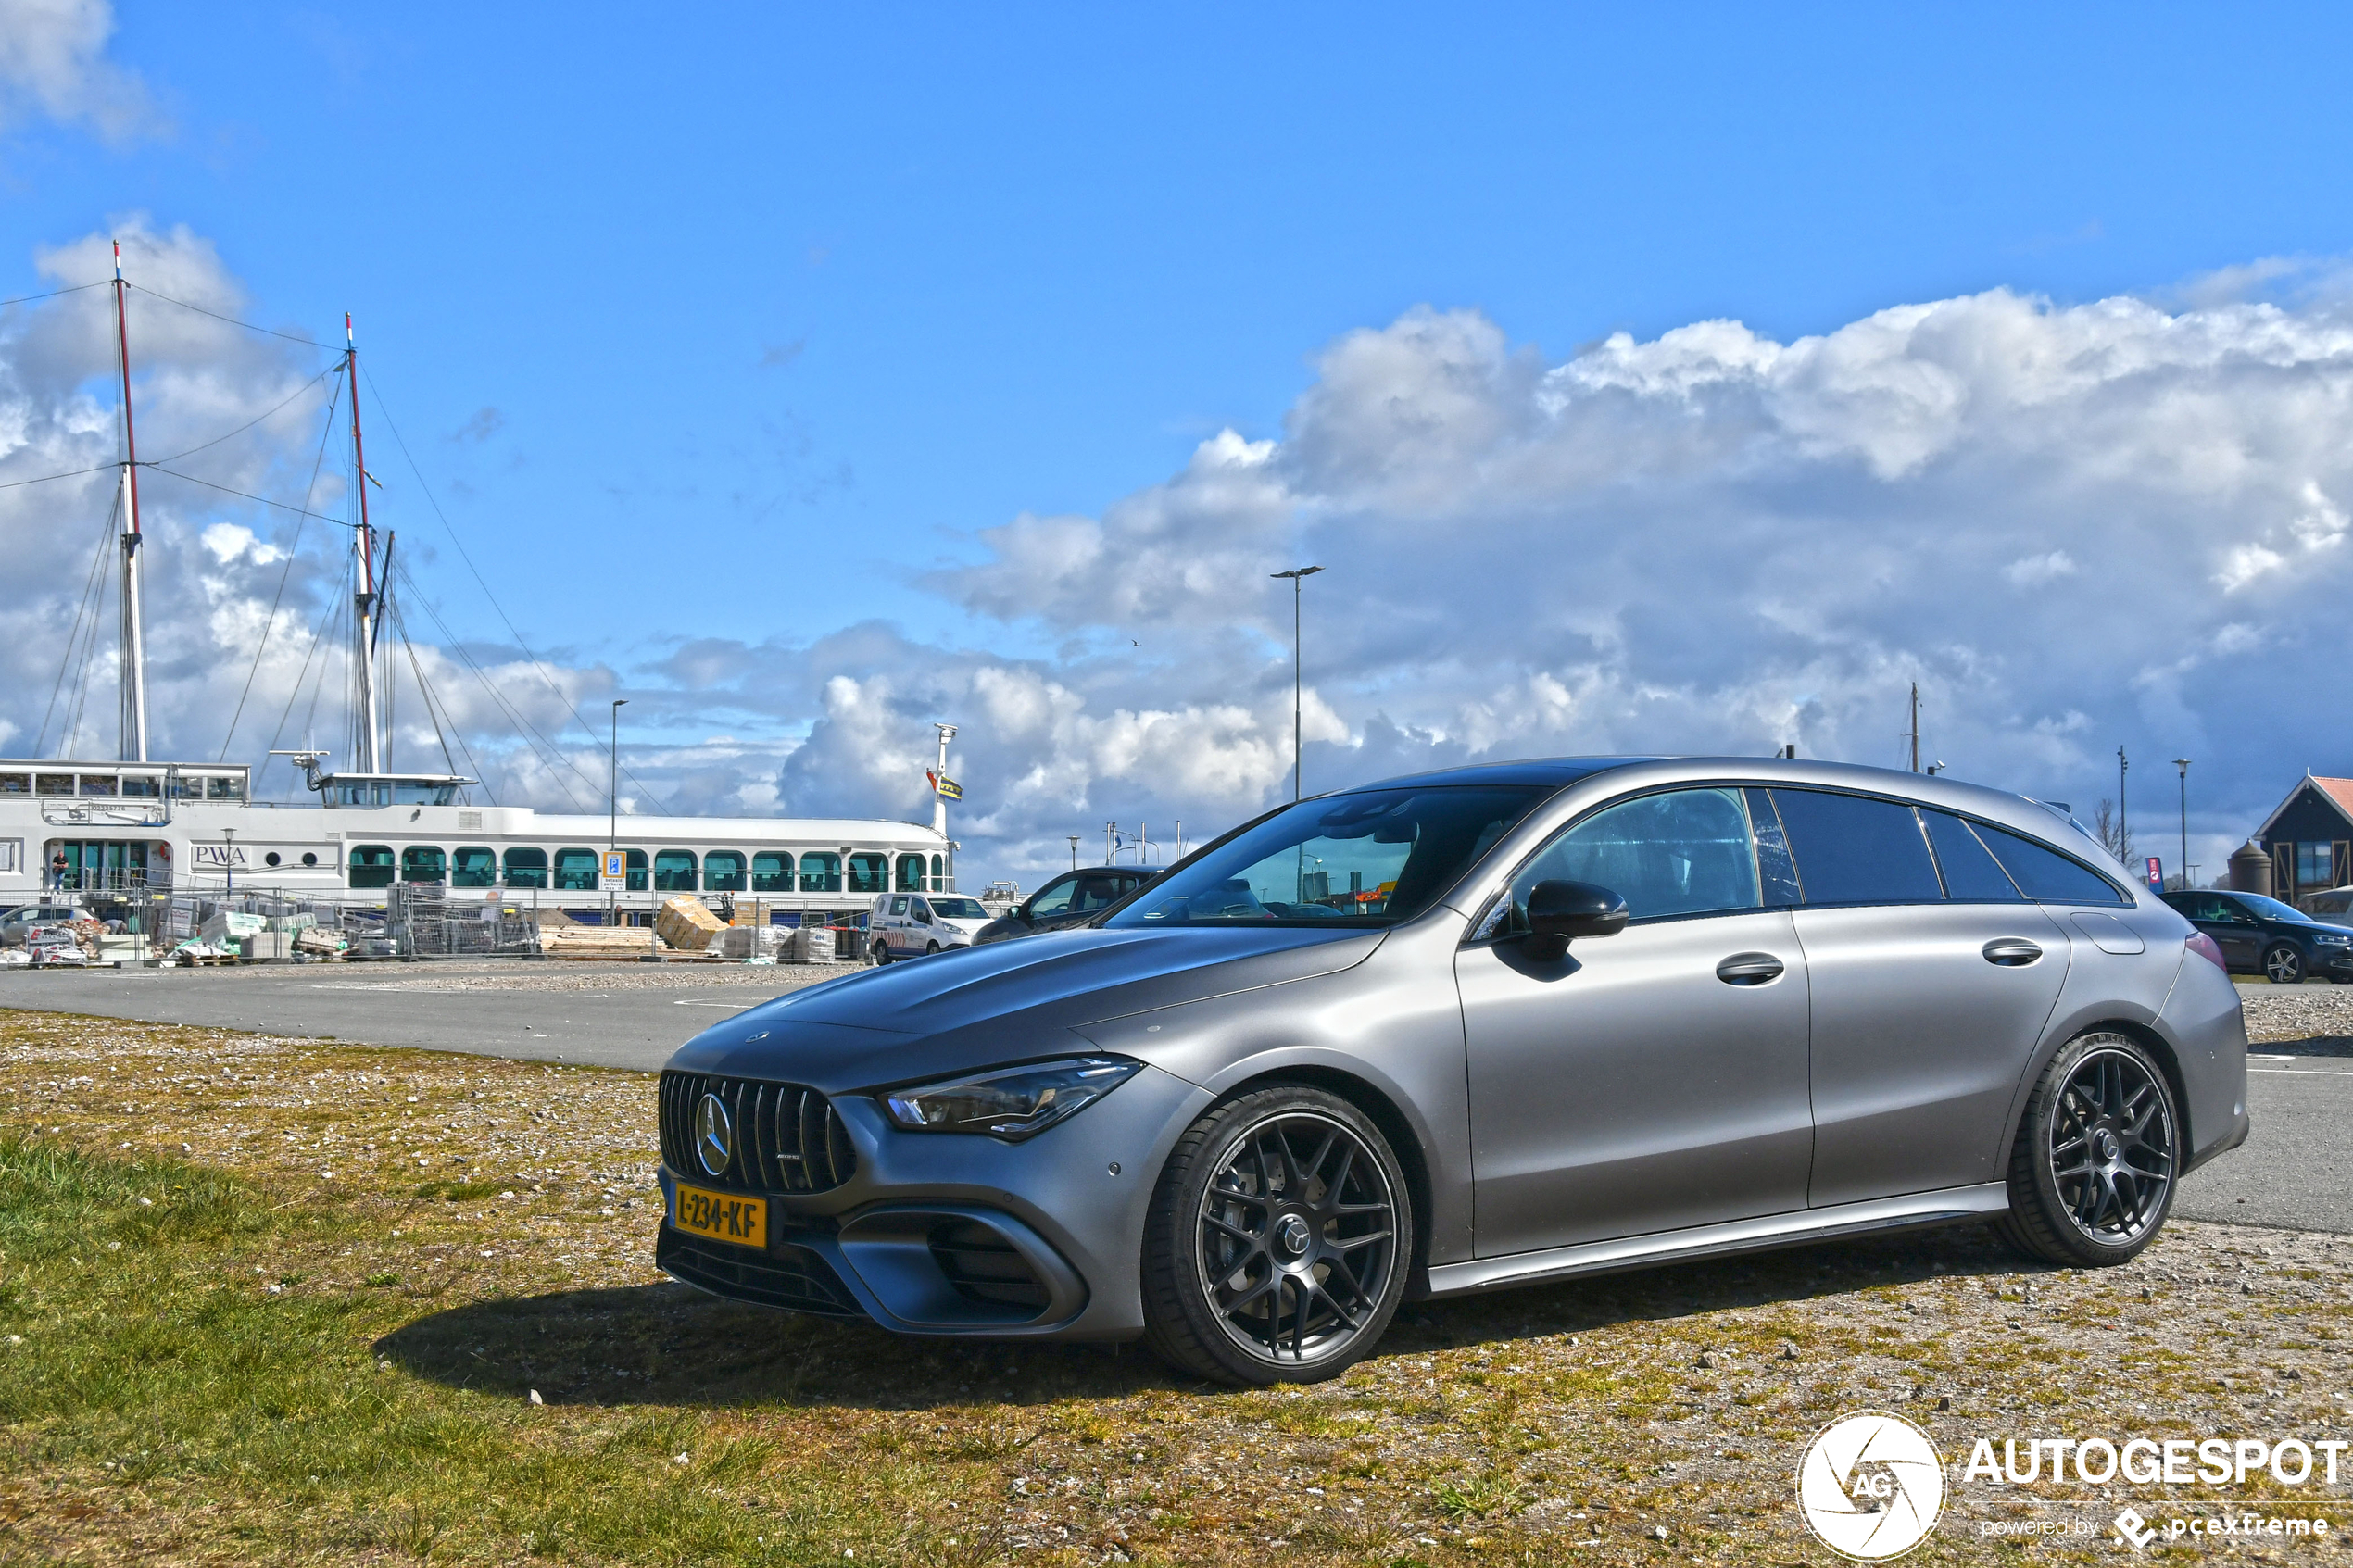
(2092, 1174)
(2283, 965)
(1279, 1240)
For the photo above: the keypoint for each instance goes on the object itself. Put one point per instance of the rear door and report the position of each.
(1651, 1080)
(1930, 990)
(2232, 924)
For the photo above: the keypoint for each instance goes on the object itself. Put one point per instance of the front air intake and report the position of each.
(785, 1137)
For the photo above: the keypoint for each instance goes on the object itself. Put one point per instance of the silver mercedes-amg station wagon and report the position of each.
(1463, 1031)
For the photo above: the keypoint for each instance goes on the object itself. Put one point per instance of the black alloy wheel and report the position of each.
(2093, 1173)
(1279, 1240)
(930, 949)
(2283, 965)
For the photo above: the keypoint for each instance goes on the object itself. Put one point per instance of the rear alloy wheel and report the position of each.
(2092, 1171)
(1279, 1242)
(930, 949)
(882, 952)
(2283, 965)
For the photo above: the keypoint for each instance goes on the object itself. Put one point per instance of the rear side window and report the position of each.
(1971, 874)
(1851, 851)
(2046, 874)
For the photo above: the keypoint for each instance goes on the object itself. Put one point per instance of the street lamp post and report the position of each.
(2183, 763)
(1073, 850)
(2123, 834)
(1296, 574)
(228, 864)
(613, 805)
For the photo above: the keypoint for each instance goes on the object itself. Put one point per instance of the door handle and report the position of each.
(2011, 952)
(1749, 968)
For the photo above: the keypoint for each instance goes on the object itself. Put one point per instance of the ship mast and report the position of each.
(131, 647)
(364, 593)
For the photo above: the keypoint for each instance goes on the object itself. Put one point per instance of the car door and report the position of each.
(1927, 1003)
(895, 926)
(2233, 925)
(1654, 1079)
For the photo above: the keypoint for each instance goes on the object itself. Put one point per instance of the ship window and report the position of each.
(473, 866)
(421, 862)
(310, 858)
(185, 788)
(911, 873)
(576, 871)
(97, 783)
(674, 872)
(527, 868)
(869, 873)
(16, 784)
(771, 872)
(141, 788)
(723, 871)
(52, 783)
(372, 865)
(938, 872)
(820, 872)
(224, 789)
(271, 859)
(636, 870)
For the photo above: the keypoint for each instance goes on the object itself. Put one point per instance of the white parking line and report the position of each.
(2305, 1072)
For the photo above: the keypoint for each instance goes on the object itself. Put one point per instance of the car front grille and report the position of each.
(985, 1268)
(788, 1137)
(792, 1278)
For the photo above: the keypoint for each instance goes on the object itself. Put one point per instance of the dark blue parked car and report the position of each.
(2262, 935)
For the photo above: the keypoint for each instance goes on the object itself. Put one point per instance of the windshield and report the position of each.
(1372, 859)
(2272, 908)
(958, 908)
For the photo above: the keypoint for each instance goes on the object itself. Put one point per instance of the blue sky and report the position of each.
(739, 331)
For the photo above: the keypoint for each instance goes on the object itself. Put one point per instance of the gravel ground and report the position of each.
(1647, 1417)
(2297, 1012)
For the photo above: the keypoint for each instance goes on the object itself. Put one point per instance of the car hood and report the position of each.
(1007, 1001)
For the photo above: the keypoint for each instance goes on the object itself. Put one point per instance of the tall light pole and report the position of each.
(612, 802)
(2183, 763)
(1296, 574)
(1073, 850)
(2123, 834)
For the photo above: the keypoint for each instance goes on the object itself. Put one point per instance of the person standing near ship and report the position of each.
(57, 871)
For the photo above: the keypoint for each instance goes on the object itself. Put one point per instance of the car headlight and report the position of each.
(2333, 937)
(1016, 1103)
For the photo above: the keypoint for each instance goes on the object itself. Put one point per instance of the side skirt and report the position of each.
(1797, 1229)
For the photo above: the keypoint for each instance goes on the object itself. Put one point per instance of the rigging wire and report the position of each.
(249, 495)
(292, 551)
(217, 440)
(76, 288)
(546, 752)
(69, 474)
(424, 687)
(290, 337)
(82, 613)
(536, 662)
(104, 581)
(294, 694)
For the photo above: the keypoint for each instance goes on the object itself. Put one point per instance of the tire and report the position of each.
(1270, 1201)
(2283, 965)
(882, 952)
(2097, 1159)
(931, 949)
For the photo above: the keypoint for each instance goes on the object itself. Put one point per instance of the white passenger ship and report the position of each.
(116, 835)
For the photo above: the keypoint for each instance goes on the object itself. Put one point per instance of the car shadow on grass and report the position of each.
(667, 1345)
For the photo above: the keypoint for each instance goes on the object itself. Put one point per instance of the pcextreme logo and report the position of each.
(1871, 1486)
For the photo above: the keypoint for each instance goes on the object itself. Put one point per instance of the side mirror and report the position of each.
(1559, 911)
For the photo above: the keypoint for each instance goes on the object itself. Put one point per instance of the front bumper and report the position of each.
(962, 1235)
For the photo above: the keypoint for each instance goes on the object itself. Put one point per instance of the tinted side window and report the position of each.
(1094, 893)
(1970, 874)
(1053, 899)
(2047, 874)
(1850, 850)
(1684, 852)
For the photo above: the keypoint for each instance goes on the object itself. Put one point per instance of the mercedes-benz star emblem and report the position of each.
(714, 1134)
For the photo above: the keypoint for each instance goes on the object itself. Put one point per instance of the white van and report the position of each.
(908, 925)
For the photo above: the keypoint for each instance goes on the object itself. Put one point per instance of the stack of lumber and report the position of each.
(625, 943)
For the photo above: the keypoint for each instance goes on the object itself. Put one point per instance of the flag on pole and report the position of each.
(944, 786)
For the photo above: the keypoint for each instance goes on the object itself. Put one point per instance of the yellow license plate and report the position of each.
(721, 1216)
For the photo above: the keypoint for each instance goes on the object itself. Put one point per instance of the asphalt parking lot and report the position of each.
(2296, 1172)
